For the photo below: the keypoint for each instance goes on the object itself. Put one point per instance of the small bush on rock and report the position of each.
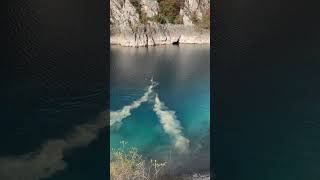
(129, 165)
(169, 9)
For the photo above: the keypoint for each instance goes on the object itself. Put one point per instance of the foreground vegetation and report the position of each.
(128, 164)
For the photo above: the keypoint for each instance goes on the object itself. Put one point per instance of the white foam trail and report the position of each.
(171, 126)
(50, 157)
(119, 115)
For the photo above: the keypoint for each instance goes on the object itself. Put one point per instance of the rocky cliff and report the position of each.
(158, 22)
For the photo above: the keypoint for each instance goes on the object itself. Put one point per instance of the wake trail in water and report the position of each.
(171, 125)
(119, 115)
(46, 161)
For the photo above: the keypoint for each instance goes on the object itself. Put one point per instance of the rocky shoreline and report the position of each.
(161, 35)
(197, 177)
(128, 29)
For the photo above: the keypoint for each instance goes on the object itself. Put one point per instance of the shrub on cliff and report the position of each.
(205, 21)
(137, 5)
(169, 9)
(178, 20)
(142, 15)
(194, 18)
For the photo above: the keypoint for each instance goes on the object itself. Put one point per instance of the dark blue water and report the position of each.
(267, 120)
(53, 91)
(181, 78)
(266, 83)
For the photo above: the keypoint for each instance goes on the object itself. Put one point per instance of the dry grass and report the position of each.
(129, 165)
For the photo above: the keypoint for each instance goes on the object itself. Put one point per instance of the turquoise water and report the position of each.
(177, 124)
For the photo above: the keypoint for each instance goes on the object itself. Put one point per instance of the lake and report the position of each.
(266, 83)
(267, 120)
(53, 86)
(160, 103)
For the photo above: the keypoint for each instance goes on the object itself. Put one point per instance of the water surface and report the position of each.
(181, 77)
(52, 82)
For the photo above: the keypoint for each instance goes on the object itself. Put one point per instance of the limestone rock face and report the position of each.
(158, 34)
(193, 8)
(150, 7)
(123, 14)
(127, 30)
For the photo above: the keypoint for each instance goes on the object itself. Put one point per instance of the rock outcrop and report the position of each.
(193, 8)
(150, 7)
(128, 30)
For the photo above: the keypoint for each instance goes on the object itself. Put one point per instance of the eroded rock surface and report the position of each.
(128, 30)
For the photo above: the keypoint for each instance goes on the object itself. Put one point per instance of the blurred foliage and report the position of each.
(142, 15)
(194, 18)
(178, 20)
(205, 21)
(169, 10)
(128, 164)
